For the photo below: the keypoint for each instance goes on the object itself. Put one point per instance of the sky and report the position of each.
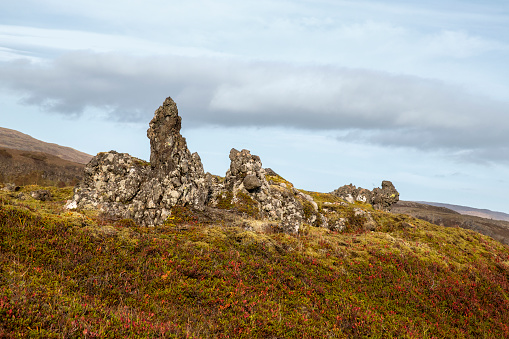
(326, 92)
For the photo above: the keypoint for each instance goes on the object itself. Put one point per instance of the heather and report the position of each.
(81, 275)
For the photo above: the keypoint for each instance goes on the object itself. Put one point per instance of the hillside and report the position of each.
(477, 212)
(26, 167)
(16, 140)
(211, 274)
(162, 249)
(497, 229)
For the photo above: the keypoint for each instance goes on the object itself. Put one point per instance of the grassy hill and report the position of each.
(440, 215)
(16, 140)
(26, 167)
(209, 275)
(477, 212)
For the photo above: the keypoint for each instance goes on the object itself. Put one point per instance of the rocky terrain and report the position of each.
(12, 139)
(124, 187)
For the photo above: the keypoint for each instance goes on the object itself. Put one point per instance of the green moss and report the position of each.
(141, 162)
(182, 215)
(322, 197)
(277, 179)
(225, 201)
(245, 204)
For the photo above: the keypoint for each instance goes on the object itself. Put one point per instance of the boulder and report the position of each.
(42, 195)
(11, 187)
(251, 182)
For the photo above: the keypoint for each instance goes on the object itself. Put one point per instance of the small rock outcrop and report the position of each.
(381, 198)
(42, 195)
(351, 194)
(11, 187)
(123, 186)
(245, 182)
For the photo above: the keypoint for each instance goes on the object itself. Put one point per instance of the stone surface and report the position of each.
(123, 186)
(251, 182)
(11, 187)
(381, 198)
(42, 195)
(246, 178)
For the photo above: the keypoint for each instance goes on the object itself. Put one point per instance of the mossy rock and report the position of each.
(277, 179)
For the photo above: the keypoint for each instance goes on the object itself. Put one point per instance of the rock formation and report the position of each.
(381, 198)
(123, 186)
(246, 182)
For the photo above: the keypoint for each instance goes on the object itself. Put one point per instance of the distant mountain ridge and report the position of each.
(16, 140)
(476, 212)
(446, 216)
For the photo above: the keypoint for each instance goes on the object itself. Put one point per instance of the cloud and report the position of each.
(362, 105)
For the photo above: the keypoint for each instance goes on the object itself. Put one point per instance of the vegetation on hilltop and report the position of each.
(12, 139)
(497, 229)
(25, 167)
(75, 274)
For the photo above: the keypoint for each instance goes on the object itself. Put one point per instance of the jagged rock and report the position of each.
(351, 194)
(42, 195)
(381, 198)
(245, 183)
(123, 186)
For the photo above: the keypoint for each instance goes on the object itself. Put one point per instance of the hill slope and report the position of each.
(483, 213)
(497, 229)
(25, 167)
(212, 275)
(16, 140)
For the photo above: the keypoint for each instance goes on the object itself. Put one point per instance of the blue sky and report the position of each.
(327, 93)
